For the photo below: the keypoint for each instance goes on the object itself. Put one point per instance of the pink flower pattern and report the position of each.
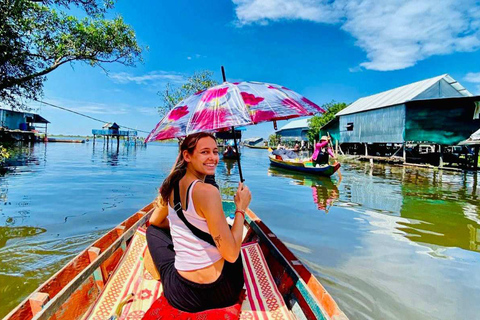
(211, 94)
(263, 101)
(167, 133)
(250, 99)
(295, 105)
(207, 119)
(177, 113)
(262, 115)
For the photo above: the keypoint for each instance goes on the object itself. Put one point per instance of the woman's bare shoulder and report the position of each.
(205, 189)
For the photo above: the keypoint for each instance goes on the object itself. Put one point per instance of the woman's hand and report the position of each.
(243, 197)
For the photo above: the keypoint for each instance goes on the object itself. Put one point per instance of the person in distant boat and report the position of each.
(195, 251)
(230, 152)
(322, 152)
(296, 148)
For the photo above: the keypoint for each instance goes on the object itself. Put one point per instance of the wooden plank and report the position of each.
(314, 305)
(93, 254)
(37, 301)
(79, 302)
(54, 304)
(56, 283)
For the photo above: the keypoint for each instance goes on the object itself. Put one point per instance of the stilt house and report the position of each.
(438, 111)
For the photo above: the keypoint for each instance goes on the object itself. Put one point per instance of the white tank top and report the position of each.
(191, 253)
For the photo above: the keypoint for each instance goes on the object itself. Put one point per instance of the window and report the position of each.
(350, 126)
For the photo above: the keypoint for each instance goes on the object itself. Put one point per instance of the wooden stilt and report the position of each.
(440, 160)
(475, 160)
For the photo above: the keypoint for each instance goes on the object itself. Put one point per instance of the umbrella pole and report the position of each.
(238, 154)
(223, 74)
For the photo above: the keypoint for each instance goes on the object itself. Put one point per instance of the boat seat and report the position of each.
(262, 301)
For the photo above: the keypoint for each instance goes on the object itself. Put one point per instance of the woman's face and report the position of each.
(204, 158)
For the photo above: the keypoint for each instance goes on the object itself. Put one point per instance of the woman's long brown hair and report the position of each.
(180, 168)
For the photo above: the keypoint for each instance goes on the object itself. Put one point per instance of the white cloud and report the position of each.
(151, 77)
(150, 111)
(472, 77)
(261, 11)
(395, 34)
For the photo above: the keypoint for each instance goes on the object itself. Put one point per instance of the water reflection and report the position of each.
(324, 190)
(229, 165)
(114, 154)
(7, 233)
(437, 209)
(23, 155)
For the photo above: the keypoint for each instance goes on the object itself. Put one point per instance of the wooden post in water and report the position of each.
(440, 160)
(366, 149)
(475, 160)
(404, 152)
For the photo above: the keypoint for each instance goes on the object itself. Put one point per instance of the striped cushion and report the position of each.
(263, 301)
(129, 277)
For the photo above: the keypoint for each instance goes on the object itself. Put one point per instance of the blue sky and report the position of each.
(326, 50)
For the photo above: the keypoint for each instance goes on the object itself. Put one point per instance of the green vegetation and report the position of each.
(37, 38)
(317, 122)
(4, 154)
(273, 140)
(199, 81)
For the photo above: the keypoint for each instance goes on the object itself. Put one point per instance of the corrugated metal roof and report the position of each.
(401, 95)
(295, 124)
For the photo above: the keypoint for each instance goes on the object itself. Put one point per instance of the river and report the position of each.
(387, 242)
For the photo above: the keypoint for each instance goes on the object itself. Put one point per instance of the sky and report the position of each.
(324, 49)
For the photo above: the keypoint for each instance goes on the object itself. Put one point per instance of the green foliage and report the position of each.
(317, 122)
(199, 81)
(4, 154)
(274, 139)
(37, 39)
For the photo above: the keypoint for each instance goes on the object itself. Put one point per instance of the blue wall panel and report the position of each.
(375, 126)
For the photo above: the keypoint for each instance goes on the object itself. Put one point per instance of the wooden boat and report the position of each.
(73, 291)
(255, 146)
(65, 140)
(231, 156)
(304, 166)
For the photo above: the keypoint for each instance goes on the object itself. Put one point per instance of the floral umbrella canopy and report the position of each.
(229, 105)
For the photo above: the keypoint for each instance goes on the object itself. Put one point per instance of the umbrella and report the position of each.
(232, 104)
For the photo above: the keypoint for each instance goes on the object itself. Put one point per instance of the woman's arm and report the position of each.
(330, 152)
(208, 202)
(159, 215)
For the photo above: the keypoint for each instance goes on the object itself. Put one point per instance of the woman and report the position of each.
(197, 273)
(322, 152)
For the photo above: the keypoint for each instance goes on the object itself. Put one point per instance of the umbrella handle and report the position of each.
(238, 154)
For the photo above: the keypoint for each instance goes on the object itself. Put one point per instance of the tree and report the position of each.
(37, 39)
(317, 122)
(274, 140)
(199, 81)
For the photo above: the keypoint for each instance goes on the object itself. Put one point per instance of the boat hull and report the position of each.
(326, 171)
(72, 291)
